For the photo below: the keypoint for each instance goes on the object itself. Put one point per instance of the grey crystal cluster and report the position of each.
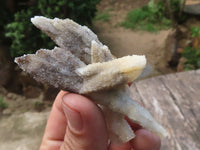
(82, 64)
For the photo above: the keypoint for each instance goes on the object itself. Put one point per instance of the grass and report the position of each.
(3, 104)
(104, 16)
(192, 56)
(149, 18)
(192, 52)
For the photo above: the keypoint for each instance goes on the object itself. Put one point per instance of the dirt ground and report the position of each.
(123, 41)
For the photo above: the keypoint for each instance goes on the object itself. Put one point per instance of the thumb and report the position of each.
(86, 128)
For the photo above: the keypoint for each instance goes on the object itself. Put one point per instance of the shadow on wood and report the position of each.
(174, 101)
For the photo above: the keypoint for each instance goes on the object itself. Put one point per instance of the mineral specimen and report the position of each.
(82, 64)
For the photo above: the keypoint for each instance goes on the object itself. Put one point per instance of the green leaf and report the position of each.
(3, 104)
(195, 31)
(25, 38)
(150, 17)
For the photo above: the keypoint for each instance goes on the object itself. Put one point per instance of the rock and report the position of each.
(171, 45)
(183, 42)
(7, 111)
(30, 91)
(89, 68)
(180, 50)
(182, 29)
(180, 66)
(12, 96)
(192, 8)
(80, 47)
(22, 131)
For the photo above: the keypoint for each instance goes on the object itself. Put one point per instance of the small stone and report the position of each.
(180, 50)
(181, 63)
(12, 96)
(7, 111)
(192, 9)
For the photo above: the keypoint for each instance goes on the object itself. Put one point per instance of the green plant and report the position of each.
(3, 104)
(104, 16)
(82, 11)
(192, 53)
(192, 56)
(25, 38)
(195, 31)
(173, 10)
(150, 17)
(38, 104)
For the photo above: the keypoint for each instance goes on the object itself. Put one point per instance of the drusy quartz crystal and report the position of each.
(82, 64)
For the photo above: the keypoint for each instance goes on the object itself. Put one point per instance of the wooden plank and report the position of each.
(184, 87)
(164, 97)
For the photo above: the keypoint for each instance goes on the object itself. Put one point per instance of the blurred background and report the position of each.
(166, 31)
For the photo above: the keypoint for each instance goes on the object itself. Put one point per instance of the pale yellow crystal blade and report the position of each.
(98, 76)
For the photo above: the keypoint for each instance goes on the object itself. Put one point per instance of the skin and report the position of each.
(76, 123)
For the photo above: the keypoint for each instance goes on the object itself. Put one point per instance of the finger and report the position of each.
(129, 84)
(134, 126)
(125, 146)
(86, 129)
(56, 126)
(145, 140)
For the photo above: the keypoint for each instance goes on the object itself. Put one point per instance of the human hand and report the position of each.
(76, 123)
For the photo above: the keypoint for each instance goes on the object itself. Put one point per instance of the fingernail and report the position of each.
(74, 118)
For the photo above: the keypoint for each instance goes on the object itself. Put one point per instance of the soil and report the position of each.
(123, 41)
(17, 104)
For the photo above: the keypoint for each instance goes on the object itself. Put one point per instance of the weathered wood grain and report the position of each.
(174, 101)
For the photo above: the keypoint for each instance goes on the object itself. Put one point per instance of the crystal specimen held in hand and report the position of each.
(82, 64)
